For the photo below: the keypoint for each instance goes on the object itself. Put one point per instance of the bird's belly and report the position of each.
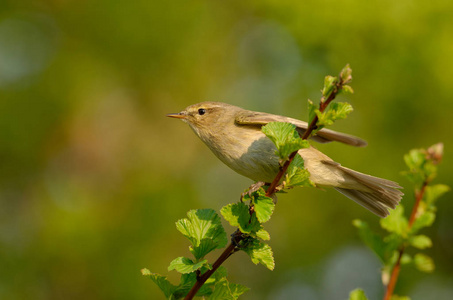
(251, 157)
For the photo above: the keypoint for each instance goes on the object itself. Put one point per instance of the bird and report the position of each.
(234, 135)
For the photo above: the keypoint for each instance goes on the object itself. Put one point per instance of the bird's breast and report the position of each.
(246, 150)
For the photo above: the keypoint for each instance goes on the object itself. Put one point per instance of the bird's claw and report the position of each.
(253, 188)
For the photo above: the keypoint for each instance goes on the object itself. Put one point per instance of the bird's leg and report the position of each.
(253, 188)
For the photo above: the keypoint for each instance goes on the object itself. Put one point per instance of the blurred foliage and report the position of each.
(403, 233)
(92, 175)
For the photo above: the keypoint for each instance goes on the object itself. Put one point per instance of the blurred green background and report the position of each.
(93, 175)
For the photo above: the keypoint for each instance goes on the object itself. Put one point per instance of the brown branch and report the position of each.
(238, 236)
(202, 279)
(312, 126)
(394, 276)
(418, 198)
(396, 269)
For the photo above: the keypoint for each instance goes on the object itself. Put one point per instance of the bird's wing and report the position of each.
(247, 117)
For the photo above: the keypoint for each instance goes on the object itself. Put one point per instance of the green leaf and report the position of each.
(223, 290)
(425, 220)
(206, 245)
(346, 74)
(433, 192)
(423, 262)
(238, 215)
(392, 242)
(263, 234)
(285, 138)
(347, 89)
(396, 222)
(421, 241)
(185, 265)
(237, 290)
(329, 86)
(220, 273)
(335, 111)
(260, 253)
(264, 207)
(297, 175)
(371, 239)
(357, 294)
(311, 111)
(161, 281)
(406, 259)
(415, 161)
(187, 282)
(202, 225)
(415, 177)
(145, 272)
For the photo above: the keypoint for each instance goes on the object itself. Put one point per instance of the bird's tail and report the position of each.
(375, 194)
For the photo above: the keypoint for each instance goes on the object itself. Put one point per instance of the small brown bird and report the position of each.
(234, 135)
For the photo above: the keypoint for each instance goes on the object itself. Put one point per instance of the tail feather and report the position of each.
(375, 194)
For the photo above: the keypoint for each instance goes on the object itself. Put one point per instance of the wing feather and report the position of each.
(248, 117)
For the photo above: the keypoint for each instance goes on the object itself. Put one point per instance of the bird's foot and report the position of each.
(253, 188)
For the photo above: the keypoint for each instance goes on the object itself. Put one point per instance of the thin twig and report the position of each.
(418, 198)
(396, 269)
(312, 126)
(202, 279)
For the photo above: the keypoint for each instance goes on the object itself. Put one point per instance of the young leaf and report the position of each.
(406, 259)
(260, 253)
(425, 220)
(237, 289)
(346, 74)
(311, 111)
(220, 273)
(433, 192)
(263, 234)
(347, 89)
(423, 262)
(371, 239)
(161, 281)
(297, 175)
(223, 290)
(203, 224)
(336, 111)
(396, 222)
(330, 83)
(264, 207)
(187, 282)
(285, 138)
(435, 153)
(357, 294)
(238, 215)
(420, 241)
(205, 246)
(185, 265)
(415, 160)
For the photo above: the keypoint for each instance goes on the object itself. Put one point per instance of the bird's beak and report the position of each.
(180, 115)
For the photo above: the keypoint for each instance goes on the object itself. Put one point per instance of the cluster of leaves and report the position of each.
(404, 233)
(203, 227)
(336, 111)
(205, 232)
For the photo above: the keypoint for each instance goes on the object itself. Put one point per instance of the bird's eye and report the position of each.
(201, 111)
